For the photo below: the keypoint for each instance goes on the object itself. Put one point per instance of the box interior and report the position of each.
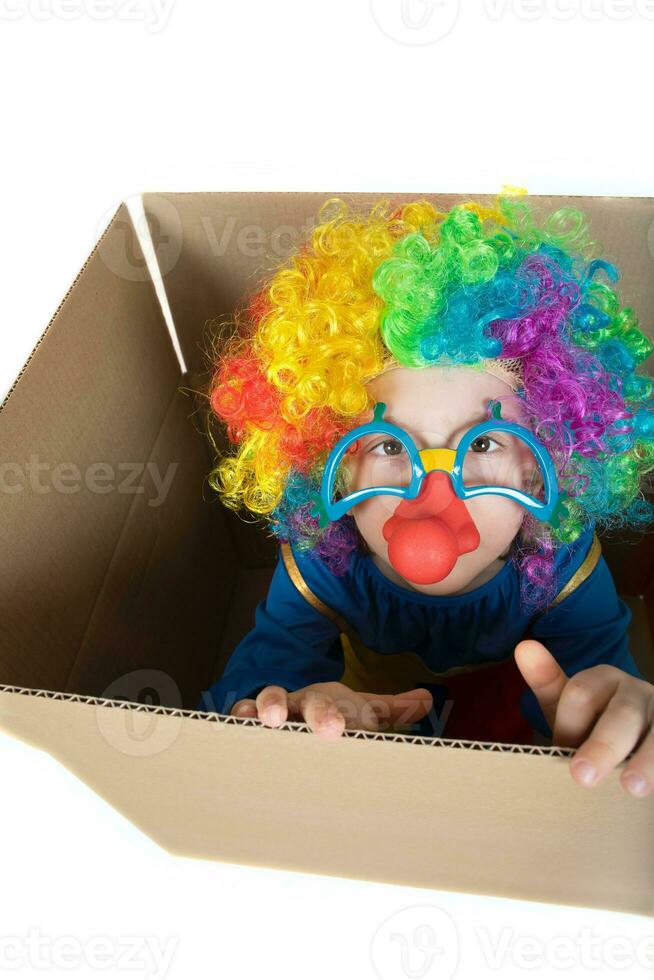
(105, 590)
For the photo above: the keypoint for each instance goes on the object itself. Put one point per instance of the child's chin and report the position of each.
(465, 576)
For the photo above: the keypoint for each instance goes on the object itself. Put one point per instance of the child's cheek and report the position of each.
(370, 517)
(497, 519)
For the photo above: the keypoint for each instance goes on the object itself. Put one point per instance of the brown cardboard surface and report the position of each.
(101, 584)
(94, 391)
(105, 597)
(164, 598)
(377, 807)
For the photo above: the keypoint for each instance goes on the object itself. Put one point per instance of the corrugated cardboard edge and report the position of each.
(369, 806)
(214, 716)
(119, 209)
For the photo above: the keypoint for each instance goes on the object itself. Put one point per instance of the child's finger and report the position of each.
(387, 710)
(584, 698)
(543, 675)
(245, 708)
(272, 705)
(320, 711)
(617, 731)
(638, 775)
(410, 706)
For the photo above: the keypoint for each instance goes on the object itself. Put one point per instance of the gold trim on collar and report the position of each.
(582, 573)
(298, 581)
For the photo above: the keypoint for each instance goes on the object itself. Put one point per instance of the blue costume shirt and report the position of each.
(397, 639)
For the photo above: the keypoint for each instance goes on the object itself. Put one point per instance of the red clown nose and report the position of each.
(427, 535)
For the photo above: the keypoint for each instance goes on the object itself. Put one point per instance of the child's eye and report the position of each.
(482, 444)
(396, 447)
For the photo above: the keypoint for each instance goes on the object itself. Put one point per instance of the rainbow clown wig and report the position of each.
(411, 286)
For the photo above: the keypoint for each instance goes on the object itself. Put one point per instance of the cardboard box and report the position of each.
(119, 607)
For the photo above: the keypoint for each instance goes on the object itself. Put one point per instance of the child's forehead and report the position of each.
(434, 402)
(435, 396)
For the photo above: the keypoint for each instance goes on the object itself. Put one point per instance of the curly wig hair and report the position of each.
(411, 286)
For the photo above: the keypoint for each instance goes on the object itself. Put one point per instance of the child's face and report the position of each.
(436, 406)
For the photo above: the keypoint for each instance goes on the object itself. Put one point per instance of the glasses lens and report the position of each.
(501, 459)
(374, 461)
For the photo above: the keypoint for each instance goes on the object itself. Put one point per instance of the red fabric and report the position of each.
(485, 705)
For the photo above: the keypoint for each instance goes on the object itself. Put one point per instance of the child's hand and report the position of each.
(618, 707)
(330, 707)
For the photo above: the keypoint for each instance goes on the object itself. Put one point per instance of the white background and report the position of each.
(103, 100)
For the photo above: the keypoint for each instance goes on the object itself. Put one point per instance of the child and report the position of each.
(422, 605)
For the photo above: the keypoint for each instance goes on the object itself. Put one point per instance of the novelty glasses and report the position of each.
(493, 457)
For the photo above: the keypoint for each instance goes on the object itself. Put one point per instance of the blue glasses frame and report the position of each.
(448, 460)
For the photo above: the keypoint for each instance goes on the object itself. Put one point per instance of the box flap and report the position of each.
(76, 427)
(392, 808)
